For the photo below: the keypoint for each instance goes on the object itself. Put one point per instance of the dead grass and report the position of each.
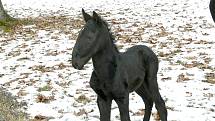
(9, 25)
(10, 109)
(62, 23)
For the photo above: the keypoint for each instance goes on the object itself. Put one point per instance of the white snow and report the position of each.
(180, 32)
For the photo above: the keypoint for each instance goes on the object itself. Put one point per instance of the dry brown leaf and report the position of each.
(140, 112)
(166, 78)
(156, 116)
(210, 78)
(44, 99)
(182, 78)
(41, 118)
(81, 112)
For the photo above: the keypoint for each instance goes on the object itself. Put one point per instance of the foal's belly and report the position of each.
(135, 81)
(135, 75)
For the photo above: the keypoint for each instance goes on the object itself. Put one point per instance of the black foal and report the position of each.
(117, 74)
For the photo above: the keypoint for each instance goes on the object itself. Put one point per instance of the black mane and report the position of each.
(112, 37)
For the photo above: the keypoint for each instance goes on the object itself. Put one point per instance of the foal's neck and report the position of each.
(104, 61)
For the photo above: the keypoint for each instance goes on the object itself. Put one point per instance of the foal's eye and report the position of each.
(89, 40)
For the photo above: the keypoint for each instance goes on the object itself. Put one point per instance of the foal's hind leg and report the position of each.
(151, 80)
(144, 94)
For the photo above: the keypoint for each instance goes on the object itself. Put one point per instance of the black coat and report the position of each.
(212, 9)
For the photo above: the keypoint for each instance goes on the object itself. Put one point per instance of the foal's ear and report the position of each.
(86, 16)
(97, 18)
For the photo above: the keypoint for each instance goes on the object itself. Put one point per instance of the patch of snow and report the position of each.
(180, 32)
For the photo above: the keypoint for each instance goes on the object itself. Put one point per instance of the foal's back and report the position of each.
(135, 62)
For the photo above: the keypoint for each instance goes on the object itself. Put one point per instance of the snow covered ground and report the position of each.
(35, 61)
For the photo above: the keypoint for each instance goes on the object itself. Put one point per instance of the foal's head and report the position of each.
(91, 39)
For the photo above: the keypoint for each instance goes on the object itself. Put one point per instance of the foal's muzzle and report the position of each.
(78, 61)
(77, 64)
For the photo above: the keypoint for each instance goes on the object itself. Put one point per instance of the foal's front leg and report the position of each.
(123, 104)
(104, 108)
(104, 102)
